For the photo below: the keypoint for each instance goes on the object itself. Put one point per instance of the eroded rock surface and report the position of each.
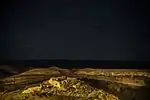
(76, 84)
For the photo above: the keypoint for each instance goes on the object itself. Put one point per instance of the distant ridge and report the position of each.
(64, 63)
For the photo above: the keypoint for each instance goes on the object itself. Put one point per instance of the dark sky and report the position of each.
(91, 30)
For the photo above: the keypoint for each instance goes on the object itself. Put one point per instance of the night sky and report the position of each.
(91, 30)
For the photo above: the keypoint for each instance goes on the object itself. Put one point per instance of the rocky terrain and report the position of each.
(55, 83)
